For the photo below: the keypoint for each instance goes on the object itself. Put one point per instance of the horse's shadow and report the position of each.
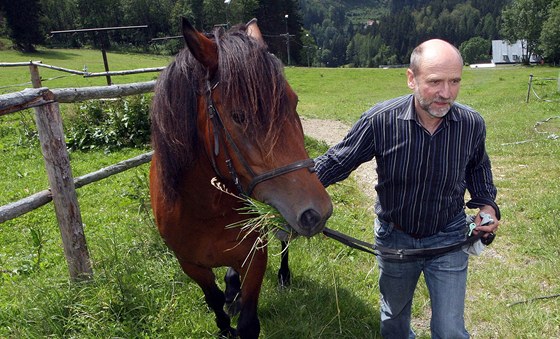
(315, 309)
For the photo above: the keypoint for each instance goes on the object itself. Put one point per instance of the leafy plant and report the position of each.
(110, 124)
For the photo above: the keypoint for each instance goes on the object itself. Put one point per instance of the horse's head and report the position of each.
(251, 130)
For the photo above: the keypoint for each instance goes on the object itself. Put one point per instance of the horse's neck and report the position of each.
(203, 187)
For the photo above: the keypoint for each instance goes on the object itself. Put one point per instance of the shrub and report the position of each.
(109, 124)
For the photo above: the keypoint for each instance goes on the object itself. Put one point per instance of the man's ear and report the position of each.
(410, 79)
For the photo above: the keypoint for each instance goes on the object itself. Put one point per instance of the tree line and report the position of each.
(331, 33)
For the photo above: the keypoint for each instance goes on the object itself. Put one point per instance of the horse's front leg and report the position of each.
(233, 283)
(214, 297)
(232, 292)
(284, 275)
(252, 274)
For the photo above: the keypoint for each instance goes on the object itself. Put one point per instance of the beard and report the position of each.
(437, 111)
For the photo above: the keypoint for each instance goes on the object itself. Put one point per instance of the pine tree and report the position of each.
(22, 18)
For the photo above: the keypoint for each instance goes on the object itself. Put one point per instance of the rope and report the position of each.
(25, 84)
(552, 136)
(16, 85)
(538, 97)
(535, 92)
(534, 299)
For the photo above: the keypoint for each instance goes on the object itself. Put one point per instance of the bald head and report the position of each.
(434, 75)
(434, 51)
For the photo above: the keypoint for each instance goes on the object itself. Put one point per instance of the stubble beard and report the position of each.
(434, 112)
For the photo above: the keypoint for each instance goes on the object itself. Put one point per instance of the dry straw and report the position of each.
(261, 218)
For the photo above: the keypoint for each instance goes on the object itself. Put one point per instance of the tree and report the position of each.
(155, 14)
(60, 15)
(96, 14)
(523, 20)
(25, 30)
(550, 35)
(476, 49)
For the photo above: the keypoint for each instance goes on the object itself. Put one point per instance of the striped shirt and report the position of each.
(422, 178)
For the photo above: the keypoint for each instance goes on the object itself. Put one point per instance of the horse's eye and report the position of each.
(238, 117)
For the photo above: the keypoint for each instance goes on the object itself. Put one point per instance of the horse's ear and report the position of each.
(203, 49)
(254, 31)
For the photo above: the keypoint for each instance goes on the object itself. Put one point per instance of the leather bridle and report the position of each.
(219, 129)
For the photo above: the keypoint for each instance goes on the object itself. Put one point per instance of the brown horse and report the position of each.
(223, 109)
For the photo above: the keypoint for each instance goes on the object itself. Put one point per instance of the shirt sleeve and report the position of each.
(479, 179)
(341, 159)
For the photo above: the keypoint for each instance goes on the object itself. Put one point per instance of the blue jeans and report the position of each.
(445, 276)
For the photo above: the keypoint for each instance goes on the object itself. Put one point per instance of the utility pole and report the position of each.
(287, 39)
(227, 2)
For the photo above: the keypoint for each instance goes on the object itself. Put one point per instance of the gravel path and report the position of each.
(331, 132)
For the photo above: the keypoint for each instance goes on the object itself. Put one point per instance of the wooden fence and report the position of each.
(63, 186)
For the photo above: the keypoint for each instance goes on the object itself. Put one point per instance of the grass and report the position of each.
(139, 290)
(76, 60)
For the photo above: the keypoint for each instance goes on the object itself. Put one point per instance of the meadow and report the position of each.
(139, 291)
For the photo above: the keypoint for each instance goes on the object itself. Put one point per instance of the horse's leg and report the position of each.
(214, 297)
(284, 275)
(248, 325)
(232, 292)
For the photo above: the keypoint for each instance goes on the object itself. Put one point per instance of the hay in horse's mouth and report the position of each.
(262, 218)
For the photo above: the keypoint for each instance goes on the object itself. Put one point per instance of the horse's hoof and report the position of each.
(284, 281)
(233, 308)
(228, 333)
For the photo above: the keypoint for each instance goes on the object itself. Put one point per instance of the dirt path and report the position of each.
(332, 131)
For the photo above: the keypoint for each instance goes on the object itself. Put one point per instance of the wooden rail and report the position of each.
(62, 191)
(85, 74)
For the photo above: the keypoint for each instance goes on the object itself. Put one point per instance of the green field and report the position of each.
(139, 291)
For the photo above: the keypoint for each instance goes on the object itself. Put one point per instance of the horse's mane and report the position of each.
(252, 85)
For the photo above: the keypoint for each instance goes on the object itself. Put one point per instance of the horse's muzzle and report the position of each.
(311, 222)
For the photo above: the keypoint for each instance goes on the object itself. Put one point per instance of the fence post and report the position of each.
(529, 88)
(61, 181)
(106, 64)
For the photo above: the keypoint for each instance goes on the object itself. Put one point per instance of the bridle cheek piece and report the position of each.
(217, 127)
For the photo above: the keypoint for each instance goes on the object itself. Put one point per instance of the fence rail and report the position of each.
(85, 74)
(62, 191)
(34, 201)
(33, 97)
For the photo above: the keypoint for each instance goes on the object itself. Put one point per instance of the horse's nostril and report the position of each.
(309, 219)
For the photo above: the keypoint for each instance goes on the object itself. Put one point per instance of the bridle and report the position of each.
(219, 129)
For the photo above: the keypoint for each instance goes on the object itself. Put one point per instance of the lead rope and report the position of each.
(397, 254)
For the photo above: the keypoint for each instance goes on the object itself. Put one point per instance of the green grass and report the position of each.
(139, 290)
(75, 60)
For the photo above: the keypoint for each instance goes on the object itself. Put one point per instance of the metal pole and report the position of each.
(287, 39)
(106, 64)
(529, 88)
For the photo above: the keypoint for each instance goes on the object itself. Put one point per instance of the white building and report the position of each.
(505, 53)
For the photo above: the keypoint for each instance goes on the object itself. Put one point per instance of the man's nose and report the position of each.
(445, 90)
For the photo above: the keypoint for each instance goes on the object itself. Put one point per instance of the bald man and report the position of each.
(429, 151)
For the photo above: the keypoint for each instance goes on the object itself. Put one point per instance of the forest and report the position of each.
(327, 33)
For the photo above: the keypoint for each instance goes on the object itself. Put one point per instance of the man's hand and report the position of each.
(489, 227)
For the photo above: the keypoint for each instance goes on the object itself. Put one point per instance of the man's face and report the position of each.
(436, 85)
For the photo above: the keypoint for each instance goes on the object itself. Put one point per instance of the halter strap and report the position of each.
(217, 125)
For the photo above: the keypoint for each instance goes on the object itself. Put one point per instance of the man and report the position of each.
(429, 150)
